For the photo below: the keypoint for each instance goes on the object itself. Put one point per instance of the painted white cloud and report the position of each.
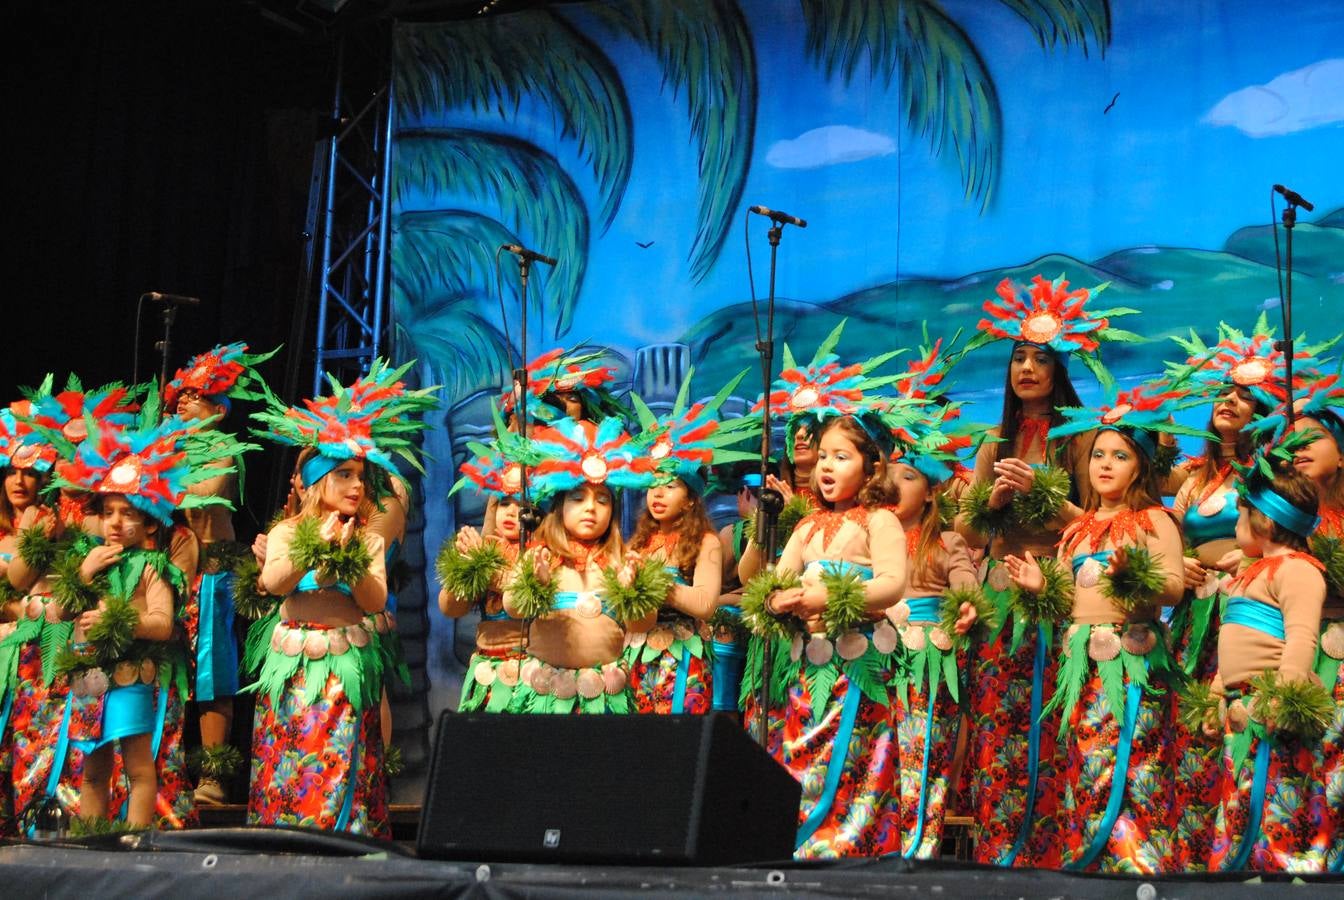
(1294, 101)
(829, 145)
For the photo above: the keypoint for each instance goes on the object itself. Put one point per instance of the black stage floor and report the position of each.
(269, 863)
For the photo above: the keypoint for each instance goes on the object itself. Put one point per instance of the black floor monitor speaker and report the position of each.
(615, 789)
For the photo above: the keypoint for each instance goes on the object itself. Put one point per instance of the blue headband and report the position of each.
(317, 468)
(1141, 438)
(1331, 423)
(1061, 358)
(1283, 513)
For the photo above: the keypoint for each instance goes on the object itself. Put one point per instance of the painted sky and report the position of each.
(1216, 101)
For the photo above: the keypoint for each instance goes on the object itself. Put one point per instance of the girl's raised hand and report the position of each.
(101, 557)
(1025, 573)
(1194, 573)
(1118, 562)
(467, 540)
(966, 618)
(331, 527)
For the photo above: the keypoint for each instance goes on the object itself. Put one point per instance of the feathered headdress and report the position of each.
(1049, 314)
(1248, 361)
(1256, 483)
(227, 371)
(806, 396)
(684, 443)
(152, 465)
(374, 419)
(61, 419)
(20, 446)
(497, 467)
(571, 453)
(557, 371)
(1139, 413)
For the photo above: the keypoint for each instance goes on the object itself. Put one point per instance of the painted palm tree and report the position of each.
(547, 62)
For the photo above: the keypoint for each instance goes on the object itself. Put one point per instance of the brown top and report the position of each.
(700, 598)
(326, 606)
(872, 538)
(1100, 530)
(1292, 583)
(951, 567)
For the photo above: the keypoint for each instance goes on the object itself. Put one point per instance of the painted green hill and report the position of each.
(1174, 289)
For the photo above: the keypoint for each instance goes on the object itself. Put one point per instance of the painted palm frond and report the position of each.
(705, 49)
(490, 64)
(946, 90)
(533, 195)
(1066, 22)
(459, 348)
(453, 251)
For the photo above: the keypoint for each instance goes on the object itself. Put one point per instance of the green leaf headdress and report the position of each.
(691, 438)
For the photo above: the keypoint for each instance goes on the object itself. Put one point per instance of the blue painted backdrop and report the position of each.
(933, 147)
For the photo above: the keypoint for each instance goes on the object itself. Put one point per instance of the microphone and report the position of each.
(1293, 197)
(530, 255)
(778, 216)
(175, 299)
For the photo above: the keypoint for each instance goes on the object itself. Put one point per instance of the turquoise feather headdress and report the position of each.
(690, 439)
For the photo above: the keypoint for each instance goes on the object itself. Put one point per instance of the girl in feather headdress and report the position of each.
(1027, 486)
(121, 597)
(471, 569)
(203, 391)
(1266, 699)
(48, 425)
(673, 668)
(819, 616)
(321, 672)
(1117, 565)
(579, 593)
(1242, 377)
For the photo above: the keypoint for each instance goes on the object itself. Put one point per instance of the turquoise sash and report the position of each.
(570, 599)
(1256, 614)
(924, 609)
(729, 659)
(1102, 556)
(1200, 529)
(1256, 810)
(1119, 777)
(309, 583)
(216, 650)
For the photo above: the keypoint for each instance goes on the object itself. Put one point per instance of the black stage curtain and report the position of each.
(155, 145)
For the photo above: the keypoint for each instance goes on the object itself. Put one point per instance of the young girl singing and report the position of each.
(818, 616)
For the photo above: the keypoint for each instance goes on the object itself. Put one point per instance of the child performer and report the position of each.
(203, 392)
(672, 668)
(1026, 487)
(1275, 815)
(576, 589)
(1243, 378)
(471, 568)
(122, 601)
(1126, 556)
(321, 672)
(932, 620)
(1322, 461)
(827, 718)
(51, 424)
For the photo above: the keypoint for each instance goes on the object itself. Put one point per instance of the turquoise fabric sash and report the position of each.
(679, 686)
(1201, 529)
(1119, 777)
(924, 609)
(1102, 556)
(1263, 617)
(676, 575)
(729, 660)
(500, 616)
(309, 583)
(347, 802)
(835, 767)
(216, 650)
(1033, 745)
(389, 558)
(843, 566)
(1256, 810)
(570, 599)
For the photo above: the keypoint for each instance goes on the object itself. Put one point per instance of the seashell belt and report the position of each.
(94, 682)
(664, 634)
(316, 643)
(563, 684)
(851, 645)
(1332, 640)
(381, 621)
(1106, 640)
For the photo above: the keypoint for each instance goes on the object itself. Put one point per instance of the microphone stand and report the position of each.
(771, 501)
(165, 346)
(529, 517)
(1286, 344)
